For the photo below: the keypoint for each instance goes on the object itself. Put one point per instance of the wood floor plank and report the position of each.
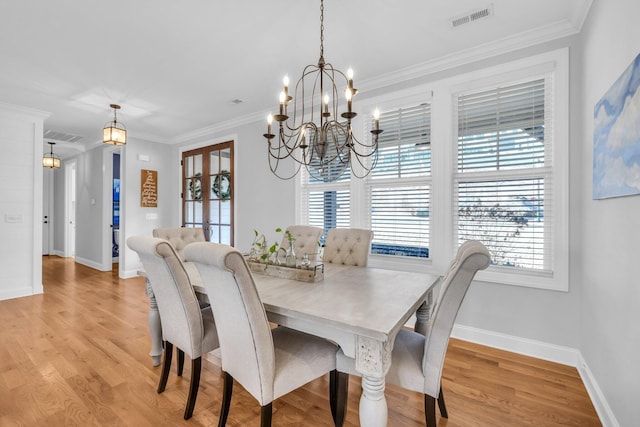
(79, 355)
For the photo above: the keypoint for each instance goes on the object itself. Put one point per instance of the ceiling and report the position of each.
(179, 67)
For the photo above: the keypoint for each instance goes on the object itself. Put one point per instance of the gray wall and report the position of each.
(610, 330)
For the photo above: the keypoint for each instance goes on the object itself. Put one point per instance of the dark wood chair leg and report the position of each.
(333, 379)
(196, 365)
(339, 389)
(166, 366)
(180, 361)
(441, 405)
(430, 410)
(227, 390)
(265, 415)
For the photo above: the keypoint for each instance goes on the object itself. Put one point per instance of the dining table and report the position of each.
(359, 308)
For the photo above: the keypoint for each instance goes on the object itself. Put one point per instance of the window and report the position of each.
(504, 173)
(398, 188)
(479, 156)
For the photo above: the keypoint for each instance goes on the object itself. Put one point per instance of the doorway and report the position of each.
(47, 209)
(207, 191)
(115, 207)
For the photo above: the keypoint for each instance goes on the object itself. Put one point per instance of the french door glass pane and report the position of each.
(225, 212)
(214, 212)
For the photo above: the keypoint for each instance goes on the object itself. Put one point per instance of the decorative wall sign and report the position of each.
(148, 188)
(616, 137)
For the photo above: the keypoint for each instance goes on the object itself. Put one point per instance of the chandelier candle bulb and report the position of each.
(285, 80)
(283, 97)
(349, 96)
(326, 105)
(376, 118)
(269, 121)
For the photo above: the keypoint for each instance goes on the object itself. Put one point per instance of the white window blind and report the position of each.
(328, 209)
(503, 185)
(398, 187)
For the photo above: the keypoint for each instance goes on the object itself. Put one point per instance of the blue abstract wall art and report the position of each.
(616, 137)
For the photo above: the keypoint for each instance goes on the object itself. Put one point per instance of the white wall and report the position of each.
(21, 132)
(137, 155)
(262, 201)
(610, 330)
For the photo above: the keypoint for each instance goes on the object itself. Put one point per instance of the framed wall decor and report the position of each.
(148, 188)
(616, 137)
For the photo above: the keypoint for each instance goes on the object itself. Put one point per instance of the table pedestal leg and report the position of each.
(155, 327)
(423, 315)
(373, 405)
(373, 359)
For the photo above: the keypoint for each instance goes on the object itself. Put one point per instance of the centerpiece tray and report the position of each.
(313, 273)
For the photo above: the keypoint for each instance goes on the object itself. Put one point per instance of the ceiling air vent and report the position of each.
(61, 137)
(472, 16)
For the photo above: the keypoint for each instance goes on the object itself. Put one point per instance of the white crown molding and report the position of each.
(550, 32)
(17, 109)
(525, 39)
(220, 127)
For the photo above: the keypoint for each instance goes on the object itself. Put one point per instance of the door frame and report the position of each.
(233, 139)
(70, 184)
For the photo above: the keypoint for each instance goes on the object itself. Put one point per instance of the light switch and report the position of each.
(13, 218)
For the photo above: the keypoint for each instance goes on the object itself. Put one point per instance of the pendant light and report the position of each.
(50, 160)
(114, 133)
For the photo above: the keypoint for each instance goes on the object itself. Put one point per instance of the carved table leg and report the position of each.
(155, 327)
(373, 359)
(424, 314)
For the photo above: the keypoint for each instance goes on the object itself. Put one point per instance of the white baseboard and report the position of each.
(127, 274)
(541, 350)
(26, 291)
(607, 418)
(90, 263)
(538, 349)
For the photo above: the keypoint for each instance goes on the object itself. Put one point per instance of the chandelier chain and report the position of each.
(321, 29)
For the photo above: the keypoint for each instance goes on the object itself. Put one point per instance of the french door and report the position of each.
(207, 191)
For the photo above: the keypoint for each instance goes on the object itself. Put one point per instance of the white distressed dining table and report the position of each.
(361, 309)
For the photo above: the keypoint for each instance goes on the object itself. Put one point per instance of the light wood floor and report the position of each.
(78, 356)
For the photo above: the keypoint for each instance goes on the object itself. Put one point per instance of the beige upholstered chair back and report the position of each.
(471, 257)
(246, 343)
(306, 240)
(180, 237)
(177, 303)
(347, 246)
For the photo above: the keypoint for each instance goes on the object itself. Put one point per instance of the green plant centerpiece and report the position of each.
(290, 254)
(261, 251)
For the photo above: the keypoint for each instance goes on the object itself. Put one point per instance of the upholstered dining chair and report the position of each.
(416, 359)
(347, 246)
(184, 323)
(268, 363)
(306, 240)
(179, 237)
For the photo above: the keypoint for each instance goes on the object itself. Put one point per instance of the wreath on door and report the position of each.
(222, 185)
(195, 187)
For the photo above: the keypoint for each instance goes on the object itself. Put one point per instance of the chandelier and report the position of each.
(51, 160)
(114, 133)
(317, 136)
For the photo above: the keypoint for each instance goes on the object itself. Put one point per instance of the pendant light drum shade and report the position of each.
(114, 133)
